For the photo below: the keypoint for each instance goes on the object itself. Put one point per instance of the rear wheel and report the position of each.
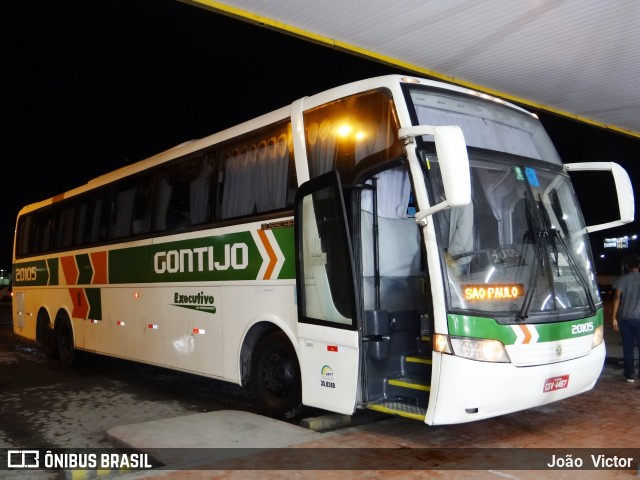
(64, 339)
(276, 376)
(45, 335)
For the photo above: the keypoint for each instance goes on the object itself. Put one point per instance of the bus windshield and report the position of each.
(520, 248)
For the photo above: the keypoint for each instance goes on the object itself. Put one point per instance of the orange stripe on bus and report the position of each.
(80, 303)
(527, 334)
(273, 259)
(69, 269)
(99, 262)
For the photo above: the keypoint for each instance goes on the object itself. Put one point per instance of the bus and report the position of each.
(395, 244)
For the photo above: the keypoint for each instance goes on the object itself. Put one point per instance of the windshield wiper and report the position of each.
(547, 228)
(533, 233)
(552, 234)
(539, 228)
(578, 274)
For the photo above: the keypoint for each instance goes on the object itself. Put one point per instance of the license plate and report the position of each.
(556, 383)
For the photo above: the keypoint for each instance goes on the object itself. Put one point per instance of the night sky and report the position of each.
(88, 87)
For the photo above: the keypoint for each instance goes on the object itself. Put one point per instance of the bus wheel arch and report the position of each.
(45, 333)
(65, 339)
(270, 366)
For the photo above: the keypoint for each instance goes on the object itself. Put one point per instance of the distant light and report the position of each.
(634, 237)
(602, 256)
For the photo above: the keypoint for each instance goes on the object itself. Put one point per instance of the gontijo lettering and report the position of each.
(201, 259)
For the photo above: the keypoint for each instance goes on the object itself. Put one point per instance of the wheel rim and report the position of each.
(277, 374)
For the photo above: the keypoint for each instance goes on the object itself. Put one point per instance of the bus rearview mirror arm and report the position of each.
(624, 190)
(454, 165)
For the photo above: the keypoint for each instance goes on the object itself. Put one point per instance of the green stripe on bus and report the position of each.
(227, 257)
(480, 327)
(52, 267)
(85, 270)
(95, 303)
(285, 239)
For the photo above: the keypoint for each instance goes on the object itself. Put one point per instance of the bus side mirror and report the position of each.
(454, 164)
(624, 190)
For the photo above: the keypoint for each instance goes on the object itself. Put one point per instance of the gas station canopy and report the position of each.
(576, 58)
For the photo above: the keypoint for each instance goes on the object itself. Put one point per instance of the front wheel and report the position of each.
(276, 376)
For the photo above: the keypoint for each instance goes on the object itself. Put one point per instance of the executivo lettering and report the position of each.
(198, 301)
(202, 259)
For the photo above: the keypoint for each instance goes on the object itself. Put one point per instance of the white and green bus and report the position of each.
(396, 244)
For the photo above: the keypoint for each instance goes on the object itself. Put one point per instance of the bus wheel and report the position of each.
(45, 336)
(64, 340)
(276, 376)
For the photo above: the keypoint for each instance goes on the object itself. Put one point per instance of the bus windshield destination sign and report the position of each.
(490, 291)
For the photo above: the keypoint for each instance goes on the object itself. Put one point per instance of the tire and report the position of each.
(275, 375)
(67, 352)
(45, 335)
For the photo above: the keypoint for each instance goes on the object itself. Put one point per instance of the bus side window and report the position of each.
(257, 173)
(183, 196)
(66, 220)
(131, 208)
(123, 211)
(96, 220)
(344, 133)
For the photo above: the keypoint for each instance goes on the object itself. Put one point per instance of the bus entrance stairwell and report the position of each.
(395, 324)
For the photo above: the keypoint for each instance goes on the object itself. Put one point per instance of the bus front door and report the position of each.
(328, 341)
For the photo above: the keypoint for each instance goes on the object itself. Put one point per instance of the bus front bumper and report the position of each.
(468, 390)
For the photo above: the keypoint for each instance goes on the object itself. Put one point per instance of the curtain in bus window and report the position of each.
(99, 222)
(124, 211)
(162, 204)
(65, 232)
(26, 234)
(81, 224)
(393, 192)
(199, 189)
(322, 147)
(47, 232)
(398, 235)
(271, 174)
(372, 137)
(238, 196)
(482, 132)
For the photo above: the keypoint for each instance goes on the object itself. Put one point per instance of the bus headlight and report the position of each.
(483, 350)
(598, 336)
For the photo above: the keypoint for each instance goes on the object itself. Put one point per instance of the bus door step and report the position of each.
(410, 383)
(419, 359)
(402, 409)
